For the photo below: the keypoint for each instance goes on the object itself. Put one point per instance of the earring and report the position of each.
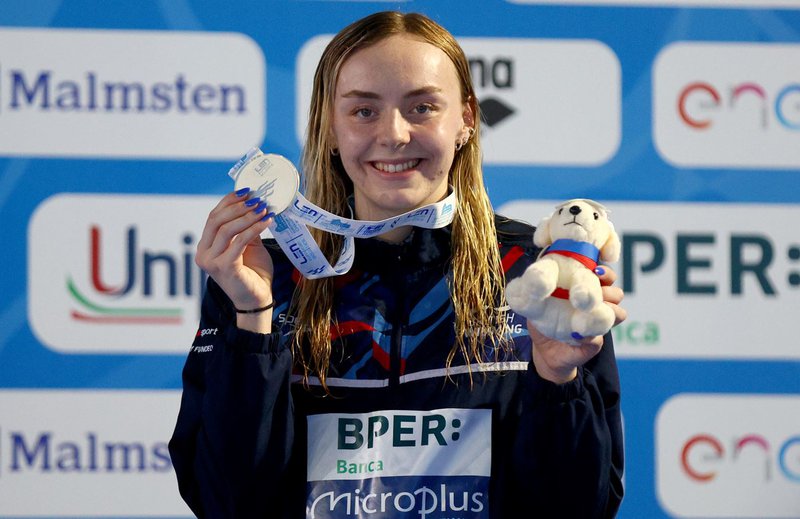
(460, 143)
(335, 152)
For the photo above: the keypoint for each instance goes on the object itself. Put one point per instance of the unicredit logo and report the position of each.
(147, 273)
(125, 280)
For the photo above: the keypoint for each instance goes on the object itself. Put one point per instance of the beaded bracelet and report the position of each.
(255, 310)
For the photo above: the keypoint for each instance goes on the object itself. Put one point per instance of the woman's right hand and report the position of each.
(231, 252)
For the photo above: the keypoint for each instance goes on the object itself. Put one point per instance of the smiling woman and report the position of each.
(405, 385)
(398, 112)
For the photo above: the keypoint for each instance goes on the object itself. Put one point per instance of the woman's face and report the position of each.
(397, 116)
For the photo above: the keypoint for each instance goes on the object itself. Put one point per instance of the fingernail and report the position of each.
(252, 202)
(267, 216)
(577, 336)
(243, 191)
(260, 207)
(599, 271)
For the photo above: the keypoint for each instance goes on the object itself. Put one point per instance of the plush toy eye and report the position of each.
(561, 210)
(596, 216)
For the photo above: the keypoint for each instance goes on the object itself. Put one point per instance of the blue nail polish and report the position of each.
(599, 271)
(243, 191)
(577, 336)
(267, 217)
(260, 207)
(252, 202)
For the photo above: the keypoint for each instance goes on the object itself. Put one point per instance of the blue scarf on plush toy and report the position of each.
(581, 251)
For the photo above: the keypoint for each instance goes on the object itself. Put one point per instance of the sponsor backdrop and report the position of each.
(119, 121)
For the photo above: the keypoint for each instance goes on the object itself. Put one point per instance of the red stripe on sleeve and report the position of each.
(511, 257)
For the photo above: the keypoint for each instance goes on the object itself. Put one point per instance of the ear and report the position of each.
(468, 114)
(611, 250)
(541, 236)
(468, 121)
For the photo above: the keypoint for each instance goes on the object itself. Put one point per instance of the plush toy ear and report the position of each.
(611, 250)
(541, 236)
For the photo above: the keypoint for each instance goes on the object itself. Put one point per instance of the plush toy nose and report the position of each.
(574, 210)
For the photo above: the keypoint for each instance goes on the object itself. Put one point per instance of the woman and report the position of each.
(404, 387)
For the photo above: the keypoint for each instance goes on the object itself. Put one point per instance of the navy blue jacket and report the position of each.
(252, 440)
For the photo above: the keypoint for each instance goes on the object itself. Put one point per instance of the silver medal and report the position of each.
(270, 177)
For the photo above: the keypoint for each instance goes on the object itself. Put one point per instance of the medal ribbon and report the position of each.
(290, 228)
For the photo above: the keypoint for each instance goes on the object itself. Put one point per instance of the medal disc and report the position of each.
(272, 178)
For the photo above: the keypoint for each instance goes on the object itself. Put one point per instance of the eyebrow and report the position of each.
(427, 90)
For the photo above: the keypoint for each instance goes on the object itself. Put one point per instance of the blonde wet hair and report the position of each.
(476, 282)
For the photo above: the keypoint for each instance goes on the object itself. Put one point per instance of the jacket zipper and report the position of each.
(398, 324)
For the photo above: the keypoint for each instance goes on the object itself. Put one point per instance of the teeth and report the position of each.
(394, 168)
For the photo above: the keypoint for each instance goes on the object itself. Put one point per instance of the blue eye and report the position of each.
(364, 112)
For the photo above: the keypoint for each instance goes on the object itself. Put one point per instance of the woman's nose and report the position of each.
(394, 130)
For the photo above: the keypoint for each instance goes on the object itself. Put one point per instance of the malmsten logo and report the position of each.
(44, 453)
(142, 269)
(43, 90)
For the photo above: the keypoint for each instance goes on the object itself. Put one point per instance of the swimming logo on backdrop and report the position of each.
(493, 74)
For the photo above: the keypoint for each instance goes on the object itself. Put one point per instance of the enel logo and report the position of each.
(699, 102)
(705, 456)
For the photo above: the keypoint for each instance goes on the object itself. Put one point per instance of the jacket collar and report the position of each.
(422, 249)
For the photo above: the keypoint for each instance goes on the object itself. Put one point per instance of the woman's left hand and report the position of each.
(558, 361)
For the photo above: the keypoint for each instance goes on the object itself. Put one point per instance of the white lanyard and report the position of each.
(275, 180)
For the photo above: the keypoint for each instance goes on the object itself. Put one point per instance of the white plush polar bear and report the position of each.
(560, 293)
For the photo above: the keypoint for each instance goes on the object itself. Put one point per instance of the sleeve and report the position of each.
(572, 441)
(233, 437)
(569, 451)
